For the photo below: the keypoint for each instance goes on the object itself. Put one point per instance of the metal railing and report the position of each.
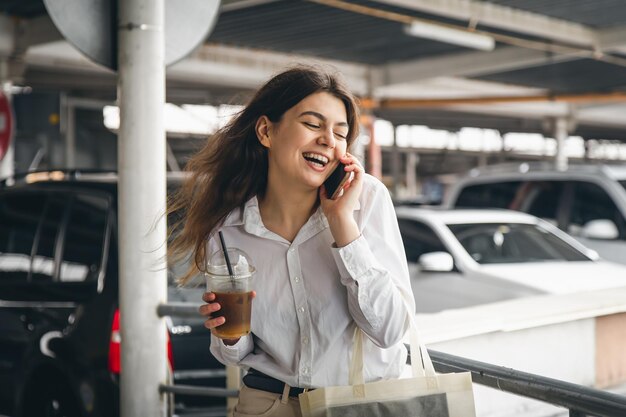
(578, 399)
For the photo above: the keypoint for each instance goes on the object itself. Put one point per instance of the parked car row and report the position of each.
(586, 201)
(460, 258)
(59, 315)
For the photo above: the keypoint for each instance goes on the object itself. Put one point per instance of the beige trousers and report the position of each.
(254, 402)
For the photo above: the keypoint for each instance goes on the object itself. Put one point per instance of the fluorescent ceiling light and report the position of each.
(454, 36)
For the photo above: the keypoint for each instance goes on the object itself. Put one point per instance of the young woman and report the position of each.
(323, 266)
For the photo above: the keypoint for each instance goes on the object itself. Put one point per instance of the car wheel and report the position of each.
(50, 400)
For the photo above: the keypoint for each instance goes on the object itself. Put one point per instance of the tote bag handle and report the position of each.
(421, 364)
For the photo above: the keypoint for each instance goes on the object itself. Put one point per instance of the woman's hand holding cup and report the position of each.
(211, 307)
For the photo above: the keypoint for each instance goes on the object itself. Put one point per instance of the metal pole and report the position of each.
(142, 194)
(560, 134)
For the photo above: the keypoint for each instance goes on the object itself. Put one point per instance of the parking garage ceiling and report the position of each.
(551, 58)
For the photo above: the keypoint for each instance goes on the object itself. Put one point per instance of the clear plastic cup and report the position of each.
(232, 292)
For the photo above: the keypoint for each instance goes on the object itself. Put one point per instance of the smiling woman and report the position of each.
(306, 144)
(324, 267)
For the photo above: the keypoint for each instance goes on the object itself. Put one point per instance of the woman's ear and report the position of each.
(262, 128)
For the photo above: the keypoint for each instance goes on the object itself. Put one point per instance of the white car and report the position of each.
(459, 258)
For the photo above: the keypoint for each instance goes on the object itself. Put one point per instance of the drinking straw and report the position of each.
(230, 268)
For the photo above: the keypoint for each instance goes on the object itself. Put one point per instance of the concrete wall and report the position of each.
(577, 338)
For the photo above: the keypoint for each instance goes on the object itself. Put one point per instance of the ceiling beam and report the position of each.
(210, 65)
(542, 110)
(502, 17)
(475, 64)
(464, 64)
(612, 40)
(569, 106)
(446, 102)
(230, 5)
(249, 68)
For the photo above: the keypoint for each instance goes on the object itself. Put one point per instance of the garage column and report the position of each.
(68, 130)
(561, 133)
(374, 153)
(142, 194)
(412, 159)
(395, 163)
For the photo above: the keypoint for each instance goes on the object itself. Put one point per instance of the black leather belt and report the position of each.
(259, 380)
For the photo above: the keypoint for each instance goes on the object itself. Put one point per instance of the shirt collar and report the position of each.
(250, 217)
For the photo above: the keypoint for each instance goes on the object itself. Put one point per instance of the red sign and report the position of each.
(6, 124)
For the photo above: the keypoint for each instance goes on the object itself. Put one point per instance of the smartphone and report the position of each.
(334, 184)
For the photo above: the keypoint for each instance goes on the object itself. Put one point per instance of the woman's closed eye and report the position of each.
(315, 126)
(341, 135)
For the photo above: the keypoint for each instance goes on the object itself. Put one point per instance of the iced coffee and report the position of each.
(233, 291)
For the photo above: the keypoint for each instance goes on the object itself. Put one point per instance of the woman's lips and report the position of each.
(316, 166)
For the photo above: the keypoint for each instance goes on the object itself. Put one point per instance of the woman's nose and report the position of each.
(327, 138)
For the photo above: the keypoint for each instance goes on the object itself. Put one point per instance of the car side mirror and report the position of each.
(592, 254)
(436, 262)
(600, 229)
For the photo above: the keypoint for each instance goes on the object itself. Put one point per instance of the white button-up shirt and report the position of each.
(311, 295)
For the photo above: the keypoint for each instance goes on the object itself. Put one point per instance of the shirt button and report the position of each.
(297, 279)
(291, 250)
(305, 370)
(305, 340)
(301, 309)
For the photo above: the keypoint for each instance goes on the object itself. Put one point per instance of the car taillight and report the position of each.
(115, 355)
(170, 355)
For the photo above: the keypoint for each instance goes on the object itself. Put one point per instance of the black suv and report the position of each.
(59, 325)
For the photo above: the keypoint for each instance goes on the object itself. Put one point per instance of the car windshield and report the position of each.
(495, 243)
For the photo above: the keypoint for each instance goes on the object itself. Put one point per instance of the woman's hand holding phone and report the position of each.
(339, 212)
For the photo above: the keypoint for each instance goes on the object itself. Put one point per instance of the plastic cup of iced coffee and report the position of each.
(233, 291)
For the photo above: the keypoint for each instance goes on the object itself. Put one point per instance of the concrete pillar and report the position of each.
(395, 164)
(412, 159)
(142, 199)
(483, 160)
(374, 153)
(561, 134)
(68, 130)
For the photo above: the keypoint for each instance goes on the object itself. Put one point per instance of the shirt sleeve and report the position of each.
(231, 355)
(375, 272)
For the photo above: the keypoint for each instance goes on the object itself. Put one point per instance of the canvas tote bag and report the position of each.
(426, 394)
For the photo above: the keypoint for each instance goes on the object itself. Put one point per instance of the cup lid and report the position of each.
(240, 262)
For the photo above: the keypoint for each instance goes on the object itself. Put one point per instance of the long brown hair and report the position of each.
(232, 167)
